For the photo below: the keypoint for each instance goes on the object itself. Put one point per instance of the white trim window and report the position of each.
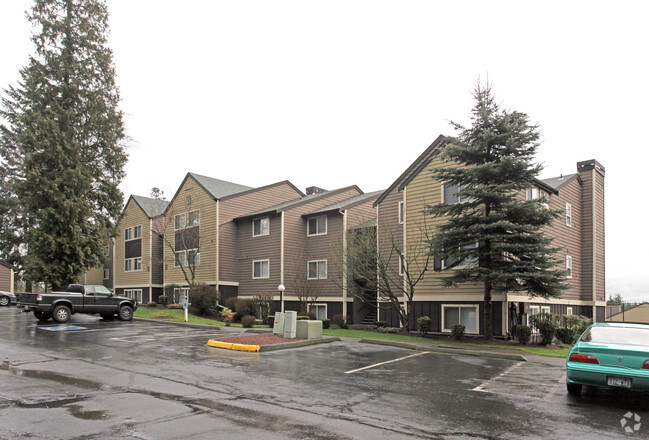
(260, 226)
(545, 309)
(320, 310)
(106, 274)
(533, 310)
(402, 212)
(180, 293)
(463, 314)
(317, 226)
(467, 262)
(135, 294)
(190, 256)
(450, 194)
(569, 311)
(260, 269)
(532, 193)
(402, 265)
(132, 264)
(132, 233)
(194, 218)
(568, 266)
(180, 221)
(568, 215)
(317, 270)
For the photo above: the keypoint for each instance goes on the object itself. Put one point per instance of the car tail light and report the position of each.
(646, 365)
(585, 358)
(39, 298)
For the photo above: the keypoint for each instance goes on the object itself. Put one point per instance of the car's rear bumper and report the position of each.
(597, 375)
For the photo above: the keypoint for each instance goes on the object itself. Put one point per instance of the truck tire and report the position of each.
(42, 316)
(4, 301)
(125, 313)
(61, 314)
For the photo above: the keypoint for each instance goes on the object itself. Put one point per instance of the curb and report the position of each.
(232, 346)
(205, 326)
(447, 349)
(296, 344)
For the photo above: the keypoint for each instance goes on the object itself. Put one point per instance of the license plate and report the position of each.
(622, 382)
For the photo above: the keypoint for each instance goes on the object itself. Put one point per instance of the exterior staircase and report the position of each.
(370, 318)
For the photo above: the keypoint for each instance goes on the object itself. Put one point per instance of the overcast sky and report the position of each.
(335, 93)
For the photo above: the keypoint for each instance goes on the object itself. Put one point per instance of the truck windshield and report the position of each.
(103, 289)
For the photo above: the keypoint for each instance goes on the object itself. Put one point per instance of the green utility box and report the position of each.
(308, 329)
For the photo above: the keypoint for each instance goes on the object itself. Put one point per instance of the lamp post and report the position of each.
(281, 289)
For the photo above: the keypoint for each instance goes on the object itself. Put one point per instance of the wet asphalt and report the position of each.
(144, 380)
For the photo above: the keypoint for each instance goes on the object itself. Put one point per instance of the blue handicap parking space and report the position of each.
(63, 328)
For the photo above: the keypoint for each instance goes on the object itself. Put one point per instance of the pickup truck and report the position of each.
(78, 298)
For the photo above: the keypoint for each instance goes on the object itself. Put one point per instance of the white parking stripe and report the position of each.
(386, 362)
(481, 388)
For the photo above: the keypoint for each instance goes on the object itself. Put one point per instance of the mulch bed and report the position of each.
(261, 339)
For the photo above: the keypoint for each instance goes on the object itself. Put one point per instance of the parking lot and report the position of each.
(102, 379)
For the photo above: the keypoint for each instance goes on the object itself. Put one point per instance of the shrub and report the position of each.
(423, 324)
(227, 315)
(340, 321)
(523, 334)
(244, 306)
(248, 321)
(303, 318)
(310, 315)
(171, 294)
(152, 304)
(565, 335)
(326, 323)
(230, 302)
(262, 302)
(578, 324)
(163, 300)
(176, 306)
(237, 317)
(458, 331)
(546, 324)
(381, 323)
(270, 320)
(203, 298)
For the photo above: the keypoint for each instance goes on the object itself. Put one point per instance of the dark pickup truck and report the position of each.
(78, 298)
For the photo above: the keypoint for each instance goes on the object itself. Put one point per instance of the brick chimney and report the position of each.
(314, 190)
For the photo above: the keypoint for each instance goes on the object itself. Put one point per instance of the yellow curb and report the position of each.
(231, 346)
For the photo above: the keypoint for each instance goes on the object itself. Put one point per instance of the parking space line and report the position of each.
(386, 362)
(481, 388)
(148, 338)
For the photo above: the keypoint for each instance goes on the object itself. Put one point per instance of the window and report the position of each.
(450, 194)
(568, 215)
(107, 251)
(317, 226)
(466, 315)
(320, 310)
(181, 259)
(189, 200)
(532, 193)
(568, 266)
(260, 269)
(194, 219)
(402, 212)
(533, 310)
(317, 270)
(402, 264)
(132, 233)
(106, 274)
(135, 294)
(545, 309)
(569, 311)
(260, 227)
(179, 221)
(466, 262)
(194, 257)
(132, 264)
(180, 293)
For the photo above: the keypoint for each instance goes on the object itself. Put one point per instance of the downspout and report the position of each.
(344, 213)
(218, 218)
(378, 249)
(281, 258)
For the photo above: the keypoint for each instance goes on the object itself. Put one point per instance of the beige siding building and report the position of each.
(6, 277)
(579, 235)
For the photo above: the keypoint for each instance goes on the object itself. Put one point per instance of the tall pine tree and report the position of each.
(493, 235)
(62, 143)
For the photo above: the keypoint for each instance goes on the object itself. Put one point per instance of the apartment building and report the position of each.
(137, 258)
(579, 235)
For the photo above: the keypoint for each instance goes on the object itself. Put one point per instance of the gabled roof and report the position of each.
(151, 207)
(296, 202)
(283, 182)
(422, 162)
(217, 188)
(7, 265)
(347, 203)
(558, 182)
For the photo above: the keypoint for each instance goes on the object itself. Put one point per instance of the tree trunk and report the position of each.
(488, 312)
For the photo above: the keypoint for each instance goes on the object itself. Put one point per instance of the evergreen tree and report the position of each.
(62, 143)
(492, 236)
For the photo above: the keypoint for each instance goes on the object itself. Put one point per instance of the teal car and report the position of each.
(610, 354)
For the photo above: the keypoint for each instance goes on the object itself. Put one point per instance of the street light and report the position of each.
(281, 289)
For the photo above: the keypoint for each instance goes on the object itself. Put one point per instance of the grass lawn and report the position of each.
(175, 315)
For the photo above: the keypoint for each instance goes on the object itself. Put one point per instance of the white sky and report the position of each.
(335, 93)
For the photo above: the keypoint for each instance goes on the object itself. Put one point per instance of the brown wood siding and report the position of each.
(422, 191)
(390, 231)
(5, 279)
(157, 249)
(600, 239)
(232, 207)
(568, 238)
(133, 216)
(265, 247)
(360, 214)
(200, 200)
(321, 247)
(587, 235)
(295, 230)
